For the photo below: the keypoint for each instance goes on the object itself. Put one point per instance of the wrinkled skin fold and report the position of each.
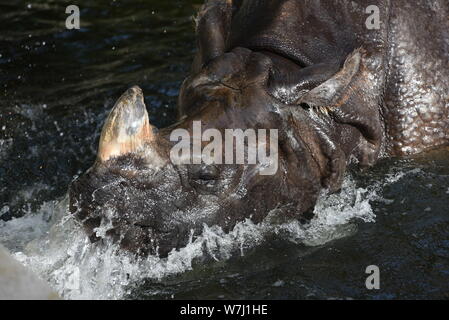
(335, 91)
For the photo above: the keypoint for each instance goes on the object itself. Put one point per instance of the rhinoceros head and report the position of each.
(144, 195)
(138, 194)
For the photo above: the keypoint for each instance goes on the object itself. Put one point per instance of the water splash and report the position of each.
(77, 269)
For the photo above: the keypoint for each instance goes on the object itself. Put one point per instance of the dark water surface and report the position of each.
(57, 86)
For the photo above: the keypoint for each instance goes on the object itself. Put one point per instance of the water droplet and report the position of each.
(278, 283)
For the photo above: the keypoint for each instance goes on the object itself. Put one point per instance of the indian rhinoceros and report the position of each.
(336, 85)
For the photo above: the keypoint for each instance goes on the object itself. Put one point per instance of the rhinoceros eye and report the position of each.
(208, 173)
(204, 172)
(204, 176)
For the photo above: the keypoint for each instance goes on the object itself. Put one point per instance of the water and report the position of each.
(56, 88)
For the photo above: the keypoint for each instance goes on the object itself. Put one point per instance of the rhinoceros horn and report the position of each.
(127, 128)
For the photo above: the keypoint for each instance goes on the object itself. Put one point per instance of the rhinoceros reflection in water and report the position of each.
(335, 90)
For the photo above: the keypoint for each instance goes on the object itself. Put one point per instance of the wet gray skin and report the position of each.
(336, 91)
(151, 206)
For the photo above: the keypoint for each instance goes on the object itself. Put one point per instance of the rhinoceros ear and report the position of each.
(212, 29)
(127, 128)
(350, 97)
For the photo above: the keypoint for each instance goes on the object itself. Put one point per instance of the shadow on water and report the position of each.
(57, 86)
